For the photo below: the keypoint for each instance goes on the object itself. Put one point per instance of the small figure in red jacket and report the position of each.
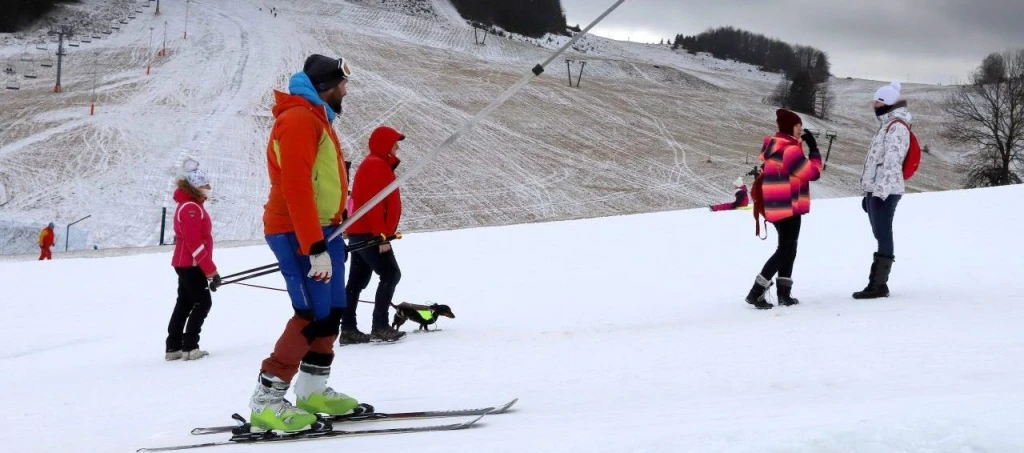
(742, 200)
(193, 261)
(45, 242)
(375, 173)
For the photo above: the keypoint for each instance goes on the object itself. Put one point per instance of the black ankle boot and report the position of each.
(758, 293)
(784, 291)
(878, 279)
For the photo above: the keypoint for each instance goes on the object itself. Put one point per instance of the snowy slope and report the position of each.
(648, 130)
(617, 334)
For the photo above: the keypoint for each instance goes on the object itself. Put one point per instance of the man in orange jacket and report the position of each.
(45, 242)
(308, 191)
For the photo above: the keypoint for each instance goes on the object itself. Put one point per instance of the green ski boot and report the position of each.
(271, 412)
(314, 396)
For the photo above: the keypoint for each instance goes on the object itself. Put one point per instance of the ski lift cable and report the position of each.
(469, 125)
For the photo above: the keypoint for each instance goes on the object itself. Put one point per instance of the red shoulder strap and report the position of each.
(897, 120)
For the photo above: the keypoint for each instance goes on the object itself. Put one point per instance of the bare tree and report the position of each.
(990, 116)
(826, 99)
(779, 97)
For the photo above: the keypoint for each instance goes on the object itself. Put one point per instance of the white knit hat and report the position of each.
(196, 177)
(738, 182)
(889, 94)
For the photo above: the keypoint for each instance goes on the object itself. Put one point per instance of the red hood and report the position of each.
(382, 141)
(285, 101)
(180, 196)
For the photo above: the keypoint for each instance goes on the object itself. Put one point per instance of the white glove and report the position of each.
(320, 267)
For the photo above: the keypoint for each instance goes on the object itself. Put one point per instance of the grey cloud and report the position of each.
(937, 39)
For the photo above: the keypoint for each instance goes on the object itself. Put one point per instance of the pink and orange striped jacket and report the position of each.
(787, 174)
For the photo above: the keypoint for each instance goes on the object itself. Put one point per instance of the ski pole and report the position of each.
(255, 269)
(271, 268)
(469, 125)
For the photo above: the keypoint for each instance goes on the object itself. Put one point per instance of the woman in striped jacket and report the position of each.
(787, 196)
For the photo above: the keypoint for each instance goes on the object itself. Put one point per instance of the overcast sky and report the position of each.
(929, 41)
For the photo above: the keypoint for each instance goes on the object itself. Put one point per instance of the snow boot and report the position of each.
(271, 412)
(759, 292)
(878, 279)
(784, 290)
(172, 355)
(314, 396)
(352, 336)
(386, 334)
(194, 354)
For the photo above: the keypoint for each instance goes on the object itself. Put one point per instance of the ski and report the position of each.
(266, 437)
(381, 416)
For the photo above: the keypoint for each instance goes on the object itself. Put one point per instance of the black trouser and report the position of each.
(782, 261)
(364, 263)
(189, 311)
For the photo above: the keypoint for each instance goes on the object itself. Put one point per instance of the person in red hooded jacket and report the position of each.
(193, 262)
(376, 172)
(45, 242)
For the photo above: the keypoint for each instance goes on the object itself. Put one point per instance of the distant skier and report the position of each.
(193, 262)
(46, 237)
(742, 199)
(882, 182)
(786, 196)
(376, 172)
(308, 191)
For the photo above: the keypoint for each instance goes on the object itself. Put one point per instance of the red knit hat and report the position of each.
(787, 120)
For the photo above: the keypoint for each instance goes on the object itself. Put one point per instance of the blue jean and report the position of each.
(310, 298)
(880, 214)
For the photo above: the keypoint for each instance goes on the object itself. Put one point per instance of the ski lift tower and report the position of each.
(64, 31)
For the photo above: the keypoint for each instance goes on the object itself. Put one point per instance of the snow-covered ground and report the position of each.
(648, 129)
(619, 334)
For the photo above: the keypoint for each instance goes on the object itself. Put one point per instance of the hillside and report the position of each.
(648, 130)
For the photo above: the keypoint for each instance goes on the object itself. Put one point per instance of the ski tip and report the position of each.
(196, 431)
(504, 407)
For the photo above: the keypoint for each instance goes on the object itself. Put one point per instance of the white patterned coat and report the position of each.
(883, 167)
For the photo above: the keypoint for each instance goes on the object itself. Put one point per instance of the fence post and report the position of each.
(163, 225)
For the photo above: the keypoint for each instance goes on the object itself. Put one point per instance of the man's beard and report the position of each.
(336, 106)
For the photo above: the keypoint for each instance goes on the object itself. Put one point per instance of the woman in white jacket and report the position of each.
(882, 183)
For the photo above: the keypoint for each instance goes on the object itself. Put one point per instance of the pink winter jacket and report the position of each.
(193, 231)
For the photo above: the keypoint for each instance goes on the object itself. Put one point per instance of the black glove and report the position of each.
(215, 282)
(812, 144)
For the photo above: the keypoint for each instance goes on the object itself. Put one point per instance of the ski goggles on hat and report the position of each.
(344, 68)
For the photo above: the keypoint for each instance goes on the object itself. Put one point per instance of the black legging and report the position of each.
(190, 310)
(364, 263)
(782, 261)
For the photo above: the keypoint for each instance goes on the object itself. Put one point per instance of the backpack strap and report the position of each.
(757, 190)
(897, 120)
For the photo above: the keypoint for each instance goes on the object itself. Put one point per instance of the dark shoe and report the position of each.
(386, 334)
(758, 293)
(878, 279)
(784, 291)
(353, 336)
